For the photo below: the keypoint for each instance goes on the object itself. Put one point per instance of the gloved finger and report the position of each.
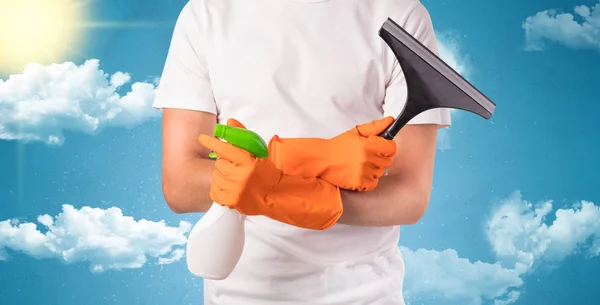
(235, 123)
(220, 197)
(220, 192)
(380, 162)
(371, 176)
(369, 184)
(225, 150)
(214, 195)
(215, 190)
(226, 169)
(381, 146)
(223, 183)
(374, 127)
(218, 183)
(376, 172)
(372, 172)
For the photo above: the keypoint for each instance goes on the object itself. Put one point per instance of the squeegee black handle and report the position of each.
(387, 134)
(391, 131)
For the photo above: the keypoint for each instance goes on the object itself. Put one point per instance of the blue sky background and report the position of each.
(514, 216)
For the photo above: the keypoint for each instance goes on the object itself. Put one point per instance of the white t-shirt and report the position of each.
(312, 68)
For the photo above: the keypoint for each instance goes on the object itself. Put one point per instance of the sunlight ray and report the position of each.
(128, 24)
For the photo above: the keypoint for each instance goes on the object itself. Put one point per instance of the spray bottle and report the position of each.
(216, 242)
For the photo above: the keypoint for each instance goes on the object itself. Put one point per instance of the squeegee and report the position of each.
(216, 242)
(431, 82)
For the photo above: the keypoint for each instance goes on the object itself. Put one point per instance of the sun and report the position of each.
(41, 31)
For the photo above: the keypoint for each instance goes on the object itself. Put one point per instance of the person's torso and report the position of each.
(298, 68)
(303, 69)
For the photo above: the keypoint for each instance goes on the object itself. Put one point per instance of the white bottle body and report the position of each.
(216, 242)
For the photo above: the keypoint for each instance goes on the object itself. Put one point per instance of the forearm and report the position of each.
(395, 201)
(186, 187)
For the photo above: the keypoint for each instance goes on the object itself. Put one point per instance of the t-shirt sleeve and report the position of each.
(185, 83)
(418, 23)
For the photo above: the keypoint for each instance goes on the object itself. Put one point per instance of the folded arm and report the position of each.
(186, 168)
(402, 196)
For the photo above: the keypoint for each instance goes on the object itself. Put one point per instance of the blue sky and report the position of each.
(514, 216)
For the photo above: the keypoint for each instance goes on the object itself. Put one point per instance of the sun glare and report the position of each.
(42, 31)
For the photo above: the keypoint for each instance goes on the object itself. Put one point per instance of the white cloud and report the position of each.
(105, 238)
(449, 51)
(578, 30)
(176, 255)
(443, 275)
(45, 101)
(525, 234)
(510, 298)
(522, 236)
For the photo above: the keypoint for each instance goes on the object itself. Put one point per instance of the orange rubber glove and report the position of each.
(235, 123)
(255, 186)
(353, 160)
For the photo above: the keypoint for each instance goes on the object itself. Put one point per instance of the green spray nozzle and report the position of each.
(243, 138)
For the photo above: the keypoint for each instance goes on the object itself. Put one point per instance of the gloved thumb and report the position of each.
(235, 123)
(375, 127)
